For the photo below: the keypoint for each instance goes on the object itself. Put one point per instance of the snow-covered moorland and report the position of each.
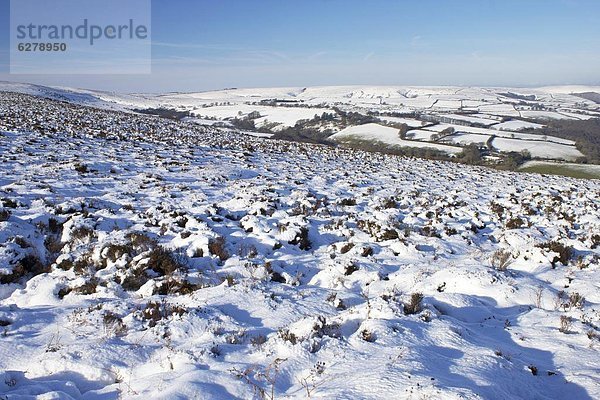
(144, 258)
(353, 115)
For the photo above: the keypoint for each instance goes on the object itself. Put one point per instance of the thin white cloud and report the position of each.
(317, 55)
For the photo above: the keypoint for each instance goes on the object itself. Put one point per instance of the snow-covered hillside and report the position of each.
(443, 99)
(491, 112)
(151, 259)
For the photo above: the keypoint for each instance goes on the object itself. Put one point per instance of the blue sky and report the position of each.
(200, 45)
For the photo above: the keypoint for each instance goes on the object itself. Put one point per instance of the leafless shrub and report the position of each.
(10, 203)
(274, 275)
(515, 223)
(576, 300)
(581, 263)
(89, 287)
(367, 335)
(258, 340)
(128, 207)
(429, 231)
(65, 264)
(426, 316)
(336, 301)
(310, 383)
(450, 231)
(21, 242)
(134, 280)
(113, 324)
(247, 250)
(155, 311)
(499, 353)
(501, 260)
(30, 265)
(141, 241)
(559, 299)
(414, 306)
(164, 228)
(367, 251)
(288, 336)
(81, 168)
(346, 248)
(389, 202)
(261, 380)
(564, 252)
(595, 240)
(113, 251)
(217, 247)
(181, 221)
(333, 224)
(347, 202)
(176, 286)
(350, 268)
(237, 337)
(376, 231)
(4, 215)
(498, 209)
(537, 296)
(164, 262)
(54, 344)
(533, 369)
(230, 279)
(53, 244)
(83, 234)
(54, 226)
(565, 324)
(302, 239)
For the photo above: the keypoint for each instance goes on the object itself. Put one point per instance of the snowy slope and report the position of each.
(93, 98)
(203, 264)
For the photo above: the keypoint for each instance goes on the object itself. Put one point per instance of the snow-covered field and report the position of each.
(538, 148)
(548, 115)
(466, 138)
(474, 119)
(413, 123)
(375, 133)
(588, 171)
(149, 259)
(516, 125)
(285, 116)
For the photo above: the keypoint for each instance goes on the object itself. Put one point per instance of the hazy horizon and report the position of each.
(14, 81)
